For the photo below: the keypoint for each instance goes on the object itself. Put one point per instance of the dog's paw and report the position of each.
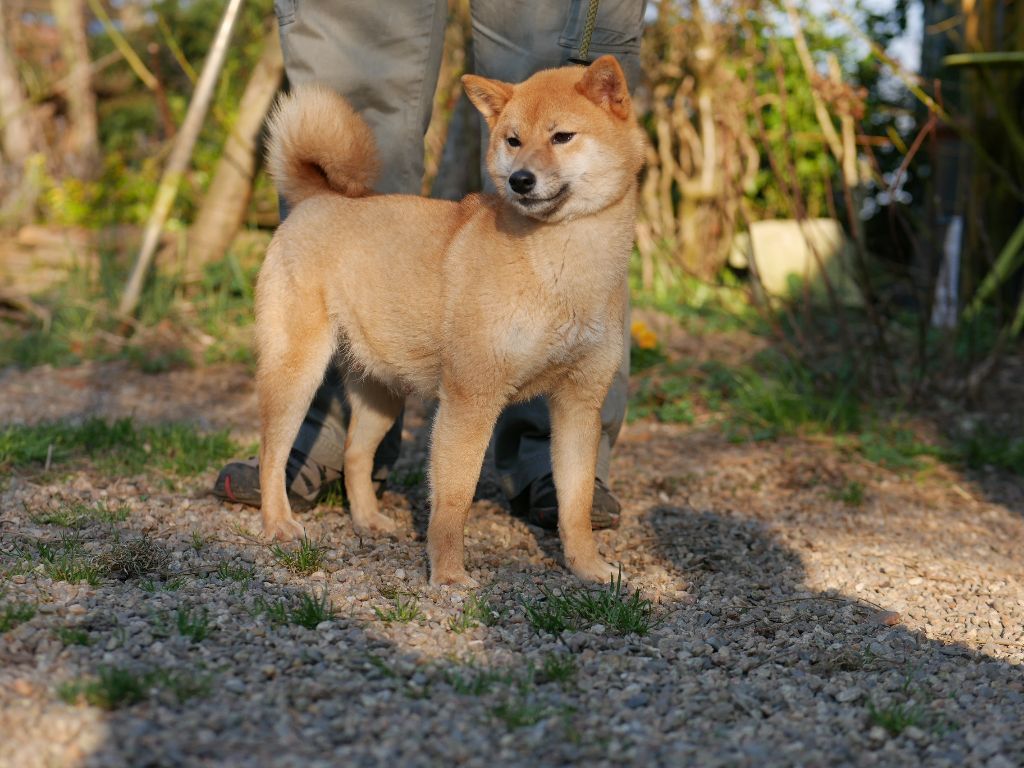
(376, 525)
(596, 570)
(283, 530)
(453, 579)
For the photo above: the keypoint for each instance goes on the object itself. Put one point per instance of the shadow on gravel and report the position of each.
(781, 674)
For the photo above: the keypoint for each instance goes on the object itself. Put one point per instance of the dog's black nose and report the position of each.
(522, 181)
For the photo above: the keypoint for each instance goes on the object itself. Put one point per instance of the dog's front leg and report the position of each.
(462, 429)
(575, 435)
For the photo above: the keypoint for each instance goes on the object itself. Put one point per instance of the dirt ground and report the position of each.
(795, 626)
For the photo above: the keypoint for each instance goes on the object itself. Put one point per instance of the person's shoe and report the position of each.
(307, 483)
(538, 505)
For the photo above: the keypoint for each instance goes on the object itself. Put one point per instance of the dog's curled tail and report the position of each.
(318, 144)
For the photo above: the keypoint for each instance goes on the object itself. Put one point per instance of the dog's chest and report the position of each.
(575, 335)
(534, 344)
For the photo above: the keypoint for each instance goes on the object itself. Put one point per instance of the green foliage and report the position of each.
(400, 611)
(771, 397)
(851, 494)
(898, 448)
(118, 447)
(13, 614)
(73, 636)
(84, 326)
(304, 560)
(579, 607)
(193, 624)
(114, 688)
(236, 573)
(558, 668)
(66, 560)
(77, 514)
(896, 718)
(308, 611)
(312, 610)
(479, 681)
(521, 711)
(476, 610)
(988, 449)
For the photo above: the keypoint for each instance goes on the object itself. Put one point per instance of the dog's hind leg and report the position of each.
(459, 440)
(374, 409)
(575, 434)
(293, 356)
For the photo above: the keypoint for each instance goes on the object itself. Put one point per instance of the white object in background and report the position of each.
(787, 252)
(944, 309)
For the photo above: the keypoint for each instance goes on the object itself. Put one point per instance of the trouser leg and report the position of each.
(384, 58)
(511, 41)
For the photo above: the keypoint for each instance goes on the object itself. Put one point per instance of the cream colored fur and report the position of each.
(480, 303)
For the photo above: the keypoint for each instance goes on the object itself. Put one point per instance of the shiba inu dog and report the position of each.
(479, 303)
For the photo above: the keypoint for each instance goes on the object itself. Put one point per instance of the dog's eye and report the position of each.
(513, 141)
(562, 137)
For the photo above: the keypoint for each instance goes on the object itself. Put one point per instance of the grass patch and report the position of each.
(112, 688)
(238, 573)
(77, 514)
(115, 688)
(334, 496)
(558, 668)
(478, 681)
(13, 614)
(312, 610)
(66, 560)
(195, 625)
(400, 611)
(308, 611)
(304, 560)
(851, 494)
(988, 449)
(73, 636)
(580, 607)
(896, 718)
(119, 447)
(521, 711)
(83, 326)
(897, 448)
(476, 610)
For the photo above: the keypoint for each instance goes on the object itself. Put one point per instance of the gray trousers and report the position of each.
(384, 57)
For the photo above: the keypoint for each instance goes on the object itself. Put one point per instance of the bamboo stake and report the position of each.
(180, 154)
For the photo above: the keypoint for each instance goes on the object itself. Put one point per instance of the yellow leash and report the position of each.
(588, 32)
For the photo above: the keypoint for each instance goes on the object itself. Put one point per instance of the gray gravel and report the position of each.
(793, 627)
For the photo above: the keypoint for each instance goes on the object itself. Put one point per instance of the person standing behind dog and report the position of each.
(384, 57)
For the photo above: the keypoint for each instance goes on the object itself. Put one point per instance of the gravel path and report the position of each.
(794, 628)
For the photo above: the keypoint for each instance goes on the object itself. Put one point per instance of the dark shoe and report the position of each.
(538, 505)
(307, 483)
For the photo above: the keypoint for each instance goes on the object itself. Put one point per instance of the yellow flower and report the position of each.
(643, 336)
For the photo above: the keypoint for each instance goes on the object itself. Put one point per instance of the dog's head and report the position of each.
(565, 142)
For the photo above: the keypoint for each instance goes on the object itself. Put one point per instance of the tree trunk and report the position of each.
(225, 204)
(21, 136)
(82, 141)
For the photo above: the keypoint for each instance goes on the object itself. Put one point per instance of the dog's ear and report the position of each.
(488, 96)
(604, 83)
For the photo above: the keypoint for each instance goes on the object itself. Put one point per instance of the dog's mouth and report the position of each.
(544, 205)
